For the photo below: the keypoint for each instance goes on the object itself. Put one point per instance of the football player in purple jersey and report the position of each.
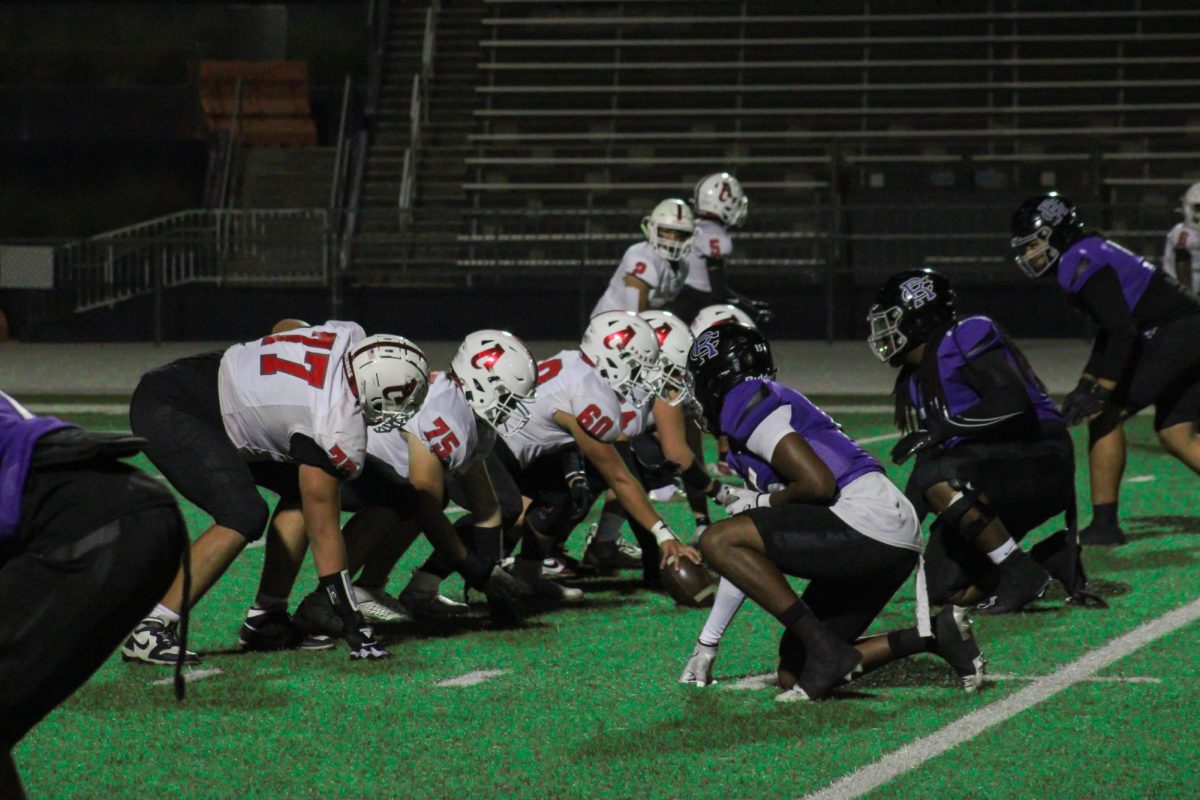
(816, 506)
(993, 457)
(1144, 353)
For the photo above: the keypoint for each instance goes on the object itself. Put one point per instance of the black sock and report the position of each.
(793, 613)
(907, 642)
(1104, 515)
(437, 566)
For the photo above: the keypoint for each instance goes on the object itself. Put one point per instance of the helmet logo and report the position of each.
(618, 339)
(918, 291)
(401, 391)
(705, 346)
(1053, 210)
(486, 359)
(663, 332)
(726, 192)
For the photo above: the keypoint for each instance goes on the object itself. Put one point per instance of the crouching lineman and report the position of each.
(1145, 352)
(578, 411)
(994, 459)
(817, 506)
(658, 449)
(219, 424)
(87, 544)
(402, 492)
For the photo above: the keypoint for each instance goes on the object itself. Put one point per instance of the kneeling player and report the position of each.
(818, 506)
(87, 544)
(994, 459)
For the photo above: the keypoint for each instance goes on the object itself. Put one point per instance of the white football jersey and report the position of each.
(712, 241)
(635, 418)
(289, 383)
(445, 424)
(642, 262)
(566, 382)
(1183, 237)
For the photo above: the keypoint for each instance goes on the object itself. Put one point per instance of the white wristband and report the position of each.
(764, 500)
(662, 533)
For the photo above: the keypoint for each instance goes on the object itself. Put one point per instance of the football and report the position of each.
(690, 584)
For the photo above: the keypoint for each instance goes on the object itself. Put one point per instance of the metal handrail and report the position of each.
(418, 111)
(224, 199)
(340, 153)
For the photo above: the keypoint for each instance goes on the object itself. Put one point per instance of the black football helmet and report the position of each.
(722, 357)
(908, 308)
(1049, 220)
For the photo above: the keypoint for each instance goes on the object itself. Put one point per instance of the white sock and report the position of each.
(1003, 551)
(729, 600)
(423, 583)
(266, 602)
(165, 614)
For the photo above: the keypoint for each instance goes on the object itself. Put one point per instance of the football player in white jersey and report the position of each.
(658, 451)
(578, 412)
(402, 491)
(290, 408)
(1181, 256)
(720, 205)
(652, 272)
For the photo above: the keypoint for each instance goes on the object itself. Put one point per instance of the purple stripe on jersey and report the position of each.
(1088, 256)
(18, 435)
(751, 402)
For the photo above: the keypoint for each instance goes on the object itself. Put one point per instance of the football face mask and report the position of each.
(886, 340)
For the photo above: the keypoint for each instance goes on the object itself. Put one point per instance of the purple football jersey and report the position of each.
(751, 402)
(19, 432)
(1088, 256)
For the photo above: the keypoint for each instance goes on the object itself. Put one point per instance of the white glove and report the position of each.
(727, 493)
(698, 671)
(746, 500)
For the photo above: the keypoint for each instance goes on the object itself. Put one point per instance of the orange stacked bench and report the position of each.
(275, 101)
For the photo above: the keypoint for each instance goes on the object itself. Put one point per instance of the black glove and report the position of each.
(759, 310)
(1086, 399)
(581, 494)
(911, 444)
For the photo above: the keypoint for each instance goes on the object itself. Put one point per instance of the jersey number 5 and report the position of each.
(446, 440)
(315, 365)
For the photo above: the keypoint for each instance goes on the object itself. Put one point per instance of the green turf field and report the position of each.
(584, 702)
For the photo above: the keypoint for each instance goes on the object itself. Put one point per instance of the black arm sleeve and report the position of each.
(1003, 398)
(716, 277)
(1102, 298)
(304, 450)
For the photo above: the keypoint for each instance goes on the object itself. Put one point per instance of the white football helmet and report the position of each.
(715, 315)
(720, 196)
(498, 375)
(670, 228)
(1191, 205)
(390, 377)
(674, 343)
(624, 348)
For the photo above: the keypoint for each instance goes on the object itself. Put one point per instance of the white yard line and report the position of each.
(751, 682)
(472, 678)
(916, 753)
(1139, 479)
(881, 438)
(189, 676)
(852, 408)
(79, 408)
(1008, 676)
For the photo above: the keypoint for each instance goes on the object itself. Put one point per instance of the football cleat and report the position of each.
(1102, 535)
(317, 641)
(558, 567)
(540, 588)
(793, 695)
(430, 605)
(268, 630)
(377, 605)
(1022, 580)
(154, 641)
(664, 494)
(955, 643)
(610, 556)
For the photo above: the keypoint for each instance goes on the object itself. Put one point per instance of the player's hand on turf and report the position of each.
(1085, 402)
(673, 550)
(699, 668)
(910, 445)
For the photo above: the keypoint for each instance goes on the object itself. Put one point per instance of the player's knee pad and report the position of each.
(555, 521)
(967, 513)
(247, 516)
